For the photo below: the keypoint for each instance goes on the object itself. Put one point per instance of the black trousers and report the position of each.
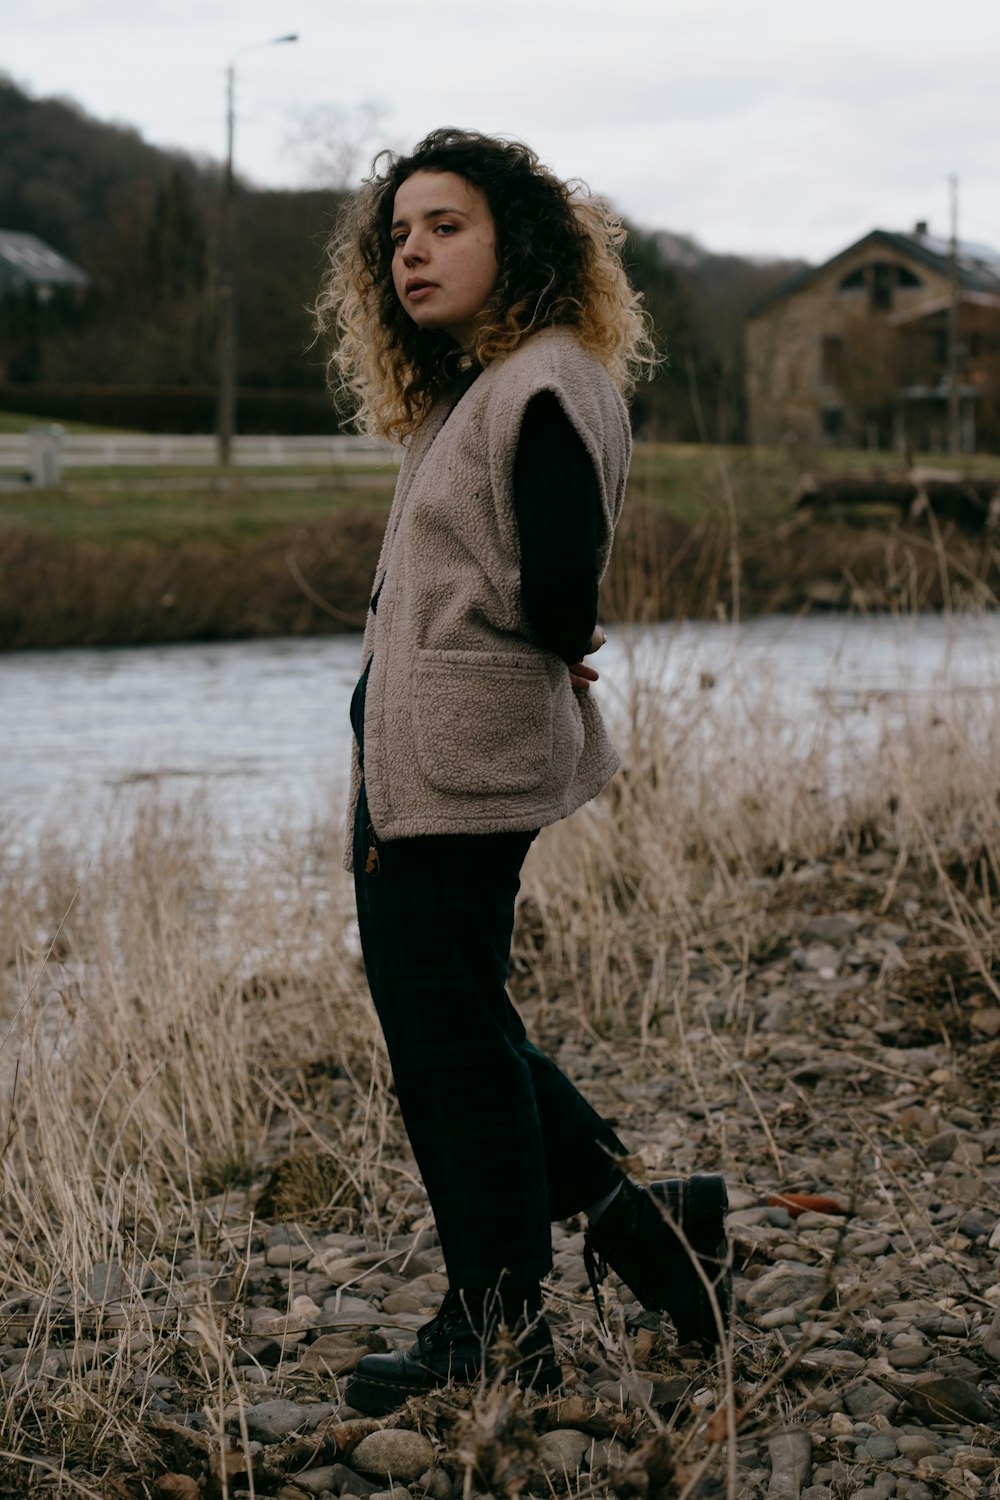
(503, 1140)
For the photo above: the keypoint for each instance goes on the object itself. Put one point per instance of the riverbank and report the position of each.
(315, 579)
(705, 535)
(210, 1212)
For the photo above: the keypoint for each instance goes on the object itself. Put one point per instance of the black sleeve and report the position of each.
(558, 505)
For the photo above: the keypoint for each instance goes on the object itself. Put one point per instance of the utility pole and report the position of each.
(226, 415)
(954, 394)
(226, 421)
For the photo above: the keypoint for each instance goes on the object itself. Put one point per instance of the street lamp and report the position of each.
(226, 422)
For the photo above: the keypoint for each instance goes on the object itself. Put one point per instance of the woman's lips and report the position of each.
(416, 290)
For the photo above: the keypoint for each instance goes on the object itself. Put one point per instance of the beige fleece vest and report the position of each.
(470, 726)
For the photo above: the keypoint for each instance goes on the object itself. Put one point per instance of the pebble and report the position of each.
(345, 1481)
(991, 1340)
(393, 1453)
(909, 1356)
(436, 1484)
(837, 1361)
(627, 1390)
(561, 1451)
(332, 1354)
(315, 1481)
(784, 1285)
(864, 1398)
(790, 1453)
(880, 1445)
(916, 1445)
(349, 1310)
(269, 1421)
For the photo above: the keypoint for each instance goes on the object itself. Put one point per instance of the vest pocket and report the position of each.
(482, 721)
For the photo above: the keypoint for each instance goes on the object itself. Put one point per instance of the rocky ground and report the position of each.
(854, 1055)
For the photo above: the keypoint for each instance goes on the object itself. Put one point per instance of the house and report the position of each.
(856, 352)
(38, 290)
(27, 264)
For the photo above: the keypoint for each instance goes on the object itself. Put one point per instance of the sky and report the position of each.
(778, 128)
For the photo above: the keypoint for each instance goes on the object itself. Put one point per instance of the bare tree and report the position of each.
(337, 141)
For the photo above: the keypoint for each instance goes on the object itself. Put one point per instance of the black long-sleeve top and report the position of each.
(557, 504)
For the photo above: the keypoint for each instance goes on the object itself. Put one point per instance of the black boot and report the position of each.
(636, 1237)
(451, 1348)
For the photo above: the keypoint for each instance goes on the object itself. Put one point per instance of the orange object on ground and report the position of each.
(800, 1203)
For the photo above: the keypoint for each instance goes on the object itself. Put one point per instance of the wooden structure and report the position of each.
(858, 351)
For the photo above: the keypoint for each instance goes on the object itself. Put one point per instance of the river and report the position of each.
(261, 727)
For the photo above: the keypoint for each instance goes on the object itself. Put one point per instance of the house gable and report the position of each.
(826, 359)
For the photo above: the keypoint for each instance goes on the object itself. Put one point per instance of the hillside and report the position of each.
(143, 223)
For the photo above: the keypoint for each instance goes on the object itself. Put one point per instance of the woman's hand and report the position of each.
(580, 675)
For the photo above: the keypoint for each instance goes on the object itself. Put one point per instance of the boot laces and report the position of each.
(450, 1316)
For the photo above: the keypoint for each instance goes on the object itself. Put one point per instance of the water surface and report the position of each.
(261, 727)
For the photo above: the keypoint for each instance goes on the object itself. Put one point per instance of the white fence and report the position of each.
(40, 455)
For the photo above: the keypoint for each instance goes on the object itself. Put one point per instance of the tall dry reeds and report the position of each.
(181, 1014)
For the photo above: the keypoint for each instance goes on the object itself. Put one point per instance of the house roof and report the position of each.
(978, 265)
(26, 260)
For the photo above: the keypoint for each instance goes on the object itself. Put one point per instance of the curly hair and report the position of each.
(558, 255)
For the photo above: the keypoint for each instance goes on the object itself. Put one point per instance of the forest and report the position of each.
(143, 223)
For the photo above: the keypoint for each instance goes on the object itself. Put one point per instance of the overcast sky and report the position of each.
(782, 127)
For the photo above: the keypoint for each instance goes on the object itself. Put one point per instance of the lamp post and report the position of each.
(226, 418)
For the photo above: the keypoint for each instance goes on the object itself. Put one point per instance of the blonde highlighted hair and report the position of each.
(559, 263)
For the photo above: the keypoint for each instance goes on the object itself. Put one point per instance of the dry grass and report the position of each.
(315, 579)
(184, 1027)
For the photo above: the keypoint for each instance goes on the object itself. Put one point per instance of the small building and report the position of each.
(28, 264)
(855, 352)
(39, 289)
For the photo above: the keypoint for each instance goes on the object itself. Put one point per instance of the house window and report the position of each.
(880, 278)
(833, 424)
(831, 359)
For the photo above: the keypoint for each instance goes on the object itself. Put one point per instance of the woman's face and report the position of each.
(444, 261)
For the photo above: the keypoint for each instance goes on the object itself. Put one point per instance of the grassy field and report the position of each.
(136, 509)
(691, 483)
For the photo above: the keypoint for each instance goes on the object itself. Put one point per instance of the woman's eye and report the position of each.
(444, 229)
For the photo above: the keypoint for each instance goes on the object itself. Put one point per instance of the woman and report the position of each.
(483, 318)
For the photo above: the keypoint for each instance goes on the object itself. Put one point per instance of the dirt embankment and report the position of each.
(314, 580)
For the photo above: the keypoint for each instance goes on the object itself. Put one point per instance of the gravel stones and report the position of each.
(890, 1311)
